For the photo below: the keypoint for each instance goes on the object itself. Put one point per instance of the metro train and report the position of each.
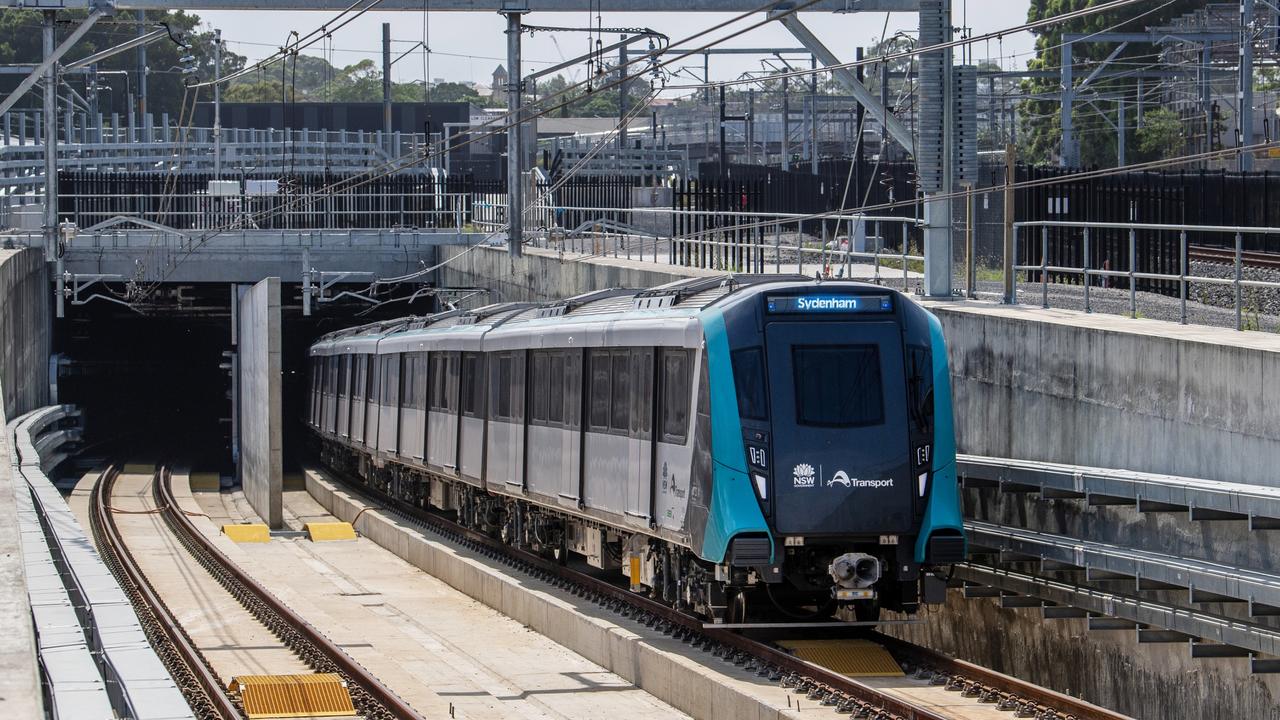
(738, 446)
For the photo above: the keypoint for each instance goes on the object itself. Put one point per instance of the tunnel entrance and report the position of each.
(158, 378)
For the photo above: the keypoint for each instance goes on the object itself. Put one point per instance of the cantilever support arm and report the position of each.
(29, 81)
(116, 50)
(898, 131)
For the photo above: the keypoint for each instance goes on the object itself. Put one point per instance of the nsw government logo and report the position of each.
(803, 475)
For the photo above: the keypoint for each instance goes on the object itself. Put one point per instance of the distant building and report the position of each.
(499, 86)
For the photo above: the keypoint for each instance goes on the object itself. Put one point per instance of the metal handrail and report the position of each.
(1183, 278)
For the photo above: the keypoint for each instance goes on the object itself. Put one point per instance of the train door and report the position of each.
(471, 425)
(372, 400)
(571, 437)
(640, 436)
(841, 450)
(344, 396)
(359, 385)
(389, 405)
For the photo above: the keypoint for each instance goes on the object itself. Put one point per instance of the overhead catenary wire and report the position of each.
(495, 126)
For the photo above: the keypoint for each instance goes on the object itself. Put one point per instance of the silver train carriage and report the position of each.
(723, 441)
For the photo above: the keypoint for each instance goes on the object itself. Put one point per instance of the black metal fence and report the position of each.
(601, 194)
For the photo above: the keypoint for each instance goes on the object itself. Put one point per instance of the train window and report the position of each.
(620, 395)
(422, 380)
(541, 384)
(675, 396)
(517, 385)
(415, 381)
(599, 417)
(507, 401)
(375, 379)
(407, 372)
(555, 389)
(642, 399)
(920, 386)
(358, 377)
(435, 380)
(573, 390)
(331, 375)
(472, 385)
(838, 386)
(390, 378)
(451, 393)
(748, 380)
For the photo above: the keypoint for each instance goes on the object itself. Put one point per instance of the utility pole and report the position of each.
(217, 104)
(786, 123)
(1120, 132)
(142, 69)
(622, 96)
(1245, 100)
(724, 160)
(884, 103)
(751, 126)
(386, 87)
(857, 142)
(706, 75)
(1067, 155)
(1010, 177)
(515, 133)
(50, 139)
(935, 152)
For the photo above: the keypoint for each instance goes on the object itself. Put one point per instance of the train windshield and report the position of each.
(838, 386)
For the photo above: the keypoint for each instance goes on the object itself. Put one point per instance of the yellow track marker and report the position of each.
(324, 531)
(852, 658)
(247, 533)
(293, 696)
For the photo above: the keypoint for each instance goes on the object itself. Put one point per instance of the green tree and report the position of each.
(1162, 135)
(20, 42)
(1042, 132)
(454, 92)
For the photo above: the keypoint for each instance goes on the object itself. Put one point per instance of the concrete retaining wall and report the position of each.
(24, 386)
(25, 321)
(539, 275)
(261, 431)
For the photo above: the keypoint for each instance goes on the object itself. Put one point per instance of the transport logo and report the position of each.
(803, 475)
(842, 478)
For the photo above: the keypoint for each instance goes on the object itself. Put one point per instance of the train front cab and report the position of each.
(843, 400)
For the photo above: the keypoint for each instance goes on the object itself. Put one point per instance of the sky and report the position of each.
(469, 46)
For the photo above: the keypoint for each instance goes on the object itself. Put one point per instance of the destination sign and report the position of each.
(829, 303)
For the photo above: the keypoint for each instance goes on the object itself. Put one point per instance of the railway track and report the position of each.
(1227, 256)
(197, 680)
(766, 659)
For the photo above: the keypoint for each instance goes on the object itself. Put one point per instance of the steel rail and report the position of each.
(994, 686)
(1250, 258)
(371, 698)
(198, 683)
(767, 660)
